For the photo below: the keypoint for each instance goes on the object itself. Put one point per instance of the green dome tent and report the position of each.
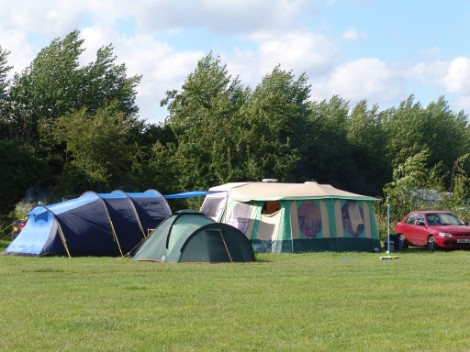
(190, 236)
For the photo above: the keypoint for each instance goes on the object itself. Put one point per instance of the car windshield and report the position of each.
(436, 219)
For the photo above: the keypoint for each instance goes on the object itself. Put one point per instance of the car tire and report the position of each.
(431, 245)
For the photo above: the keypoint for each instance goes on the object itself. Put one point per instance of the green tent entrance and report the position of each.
(190, 236)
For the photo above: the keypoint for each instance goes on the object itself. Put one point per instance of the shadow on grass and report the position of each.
(259, 259)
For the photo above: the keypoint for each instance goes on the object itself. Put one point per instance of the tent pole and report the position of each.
(226, 248)
(131, 201)
(62, 236)
(59, 229)
(388, 256)
(388, 225)
(111, 223)
(7, 234)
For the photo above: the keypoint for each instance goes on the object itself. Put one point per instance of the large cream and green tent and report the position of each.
(296, 217)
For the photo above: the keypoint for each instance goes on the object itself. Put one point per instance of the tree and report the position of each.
(412, 180)
(202, 119)
(55, 85)
(98, 155)
(273, 126)
(4, 90)
(47, 89)
(326, 154)
(155, 166)
(103, 82)
(4, 81)
(445, 133)
(368, 142)
(461, 180)
(20, 171)
(436, 128)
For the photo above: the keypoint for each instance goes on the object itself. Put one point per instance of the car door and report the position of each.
(420, 231)
(407, 228)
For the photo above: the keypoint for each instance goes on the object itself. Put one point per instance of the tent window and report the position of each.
(353, 218)
(240, 216)
(309, 218)
(212, 207)
(271, 207)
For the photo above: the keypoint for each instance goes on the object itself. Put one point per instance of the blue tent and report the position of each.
(109, 224)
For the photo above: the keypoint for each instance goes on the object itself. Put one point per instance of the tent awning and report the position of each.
(190, 194)
(260, 191)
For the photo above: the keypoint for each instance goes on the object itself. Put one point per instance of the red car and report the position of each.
(434, 229)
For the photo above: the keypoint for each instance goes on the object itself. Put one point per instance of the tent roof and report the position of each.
(263, 191)
(90, 196)
(226, 187)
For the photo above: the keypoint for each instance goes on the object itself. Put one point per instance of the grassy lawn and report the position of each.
(308, 302)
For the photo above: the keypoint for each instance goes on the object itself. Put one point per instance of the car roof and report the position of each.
(429, 211)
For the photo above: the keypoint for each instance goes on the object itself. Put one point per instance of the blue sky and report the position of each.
(378, 50)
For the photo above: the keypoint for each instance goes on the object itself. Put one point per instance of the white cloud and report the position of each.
(251, 37)
(26, 31)
(162, 68)
(297, 51)
(368, 78)
(243, 16)
(228, 16)
(462, 103)
(354, 35)
(432, 72)
(457, 79)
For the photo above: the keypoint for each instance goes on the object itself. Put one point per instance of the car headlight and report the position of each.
(445, 234)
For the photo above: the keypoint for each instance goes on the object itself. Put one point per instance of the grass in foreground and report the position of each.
(307, 302)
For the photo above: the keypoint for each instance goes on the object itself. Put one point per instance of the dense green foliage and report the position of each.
(20, 170)
(80, 126)
(308, 302)
(43, 106)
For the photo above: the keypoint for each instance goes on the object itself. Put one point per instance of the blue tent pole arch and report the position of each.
(113, 230)
(131, 202)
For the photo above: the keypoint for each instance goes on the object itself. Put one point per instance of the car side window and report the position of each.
(411, 219)
(433, 219)
(420, 219)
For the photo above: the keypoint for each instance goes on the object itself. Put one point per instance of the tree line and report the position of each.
(66, 129)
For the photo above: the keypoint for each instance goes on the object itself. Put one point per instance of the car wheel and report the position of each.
(403, 242)
(431, 243)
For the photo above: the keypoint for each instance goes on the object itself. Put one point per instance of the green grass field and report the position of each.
(303, 302)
